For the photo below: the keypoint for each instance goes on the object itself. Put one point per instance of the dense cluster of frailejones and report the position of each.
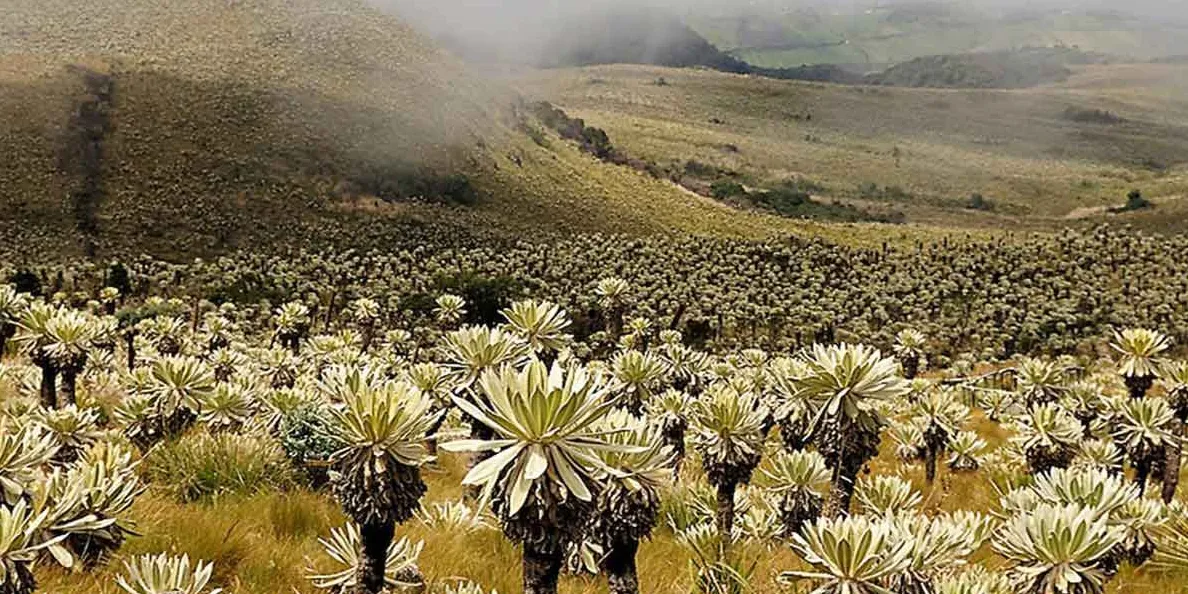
(580, 398)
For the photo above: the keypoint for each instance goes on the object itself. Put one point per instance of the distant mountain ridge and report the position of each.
(771, 37)
(660, 39)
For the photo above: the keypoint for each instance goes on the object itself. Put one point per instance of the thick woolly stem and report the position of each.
(1171, 464)
(7, 331)
(1142, 471)
(930, 456)
(376, 538)
(1139, 385)
(726, 511)
(619, 566)
(49, 386)
(69, 393)
(542, 568)
(130, 348)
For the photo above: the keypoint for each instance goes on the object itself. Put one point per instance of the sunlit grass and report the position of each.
(259, 545)
(264, 544)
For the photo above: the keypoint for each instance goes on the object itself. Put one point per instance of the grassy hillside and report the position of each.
(191, 127)
(917, 151)
(902, 32)
(1015, 69)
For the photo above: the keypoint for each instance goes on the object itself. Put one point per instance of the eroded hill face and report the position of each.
(334, 51)
(216, 118)
(281, 123)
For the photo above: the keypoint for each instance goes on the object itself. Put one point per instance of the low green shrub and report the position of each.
(784, 200)
(1134, 201)
(979, 202)
(723, 189)
(305, 435)
(1092, 116)
(872, 191)
(201, 467)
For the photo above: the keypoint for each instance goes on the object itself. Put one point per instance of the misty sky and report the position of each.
(483, 13)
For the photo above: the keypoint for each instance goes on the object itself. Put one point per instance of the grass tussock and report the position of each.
(202, 467)
(256, 549)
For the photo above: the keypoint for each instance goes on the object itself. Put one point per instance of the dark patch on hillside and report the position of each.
(635, 37)
(793, 198)
(408, 182)
(989, 70)
(590, 139)
(1092, 116)
(813, 73)
(82, 153)
(1135, 201)
(660, 39)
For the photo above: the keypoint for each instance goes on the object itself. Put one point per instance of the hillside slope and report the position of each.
(1039, 156)
(1027, 67)
(633, 37)
(193, 126)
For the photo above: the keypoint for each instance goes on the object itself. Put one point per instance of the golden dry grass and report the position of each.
(265, 543)
(1014, 147)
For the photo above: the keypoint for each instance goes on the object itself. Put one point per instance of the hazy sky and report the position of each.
(502, 10)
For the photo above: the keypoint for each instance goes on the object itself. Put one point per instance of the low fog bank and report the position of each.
(548, 32)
